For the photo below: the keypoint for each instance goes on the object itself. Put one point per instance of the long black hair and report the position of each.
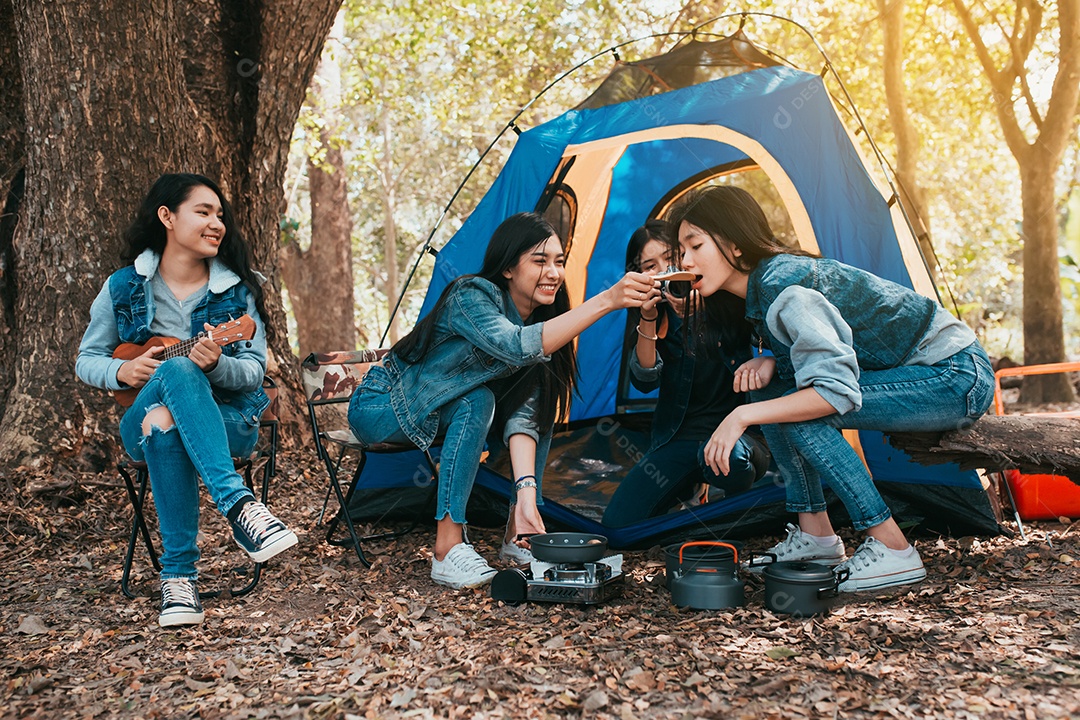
(514, 238)
(726, 212)
(147, 231)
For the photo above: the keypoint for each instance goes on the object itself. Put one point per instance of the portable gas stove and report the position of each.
(584, 583)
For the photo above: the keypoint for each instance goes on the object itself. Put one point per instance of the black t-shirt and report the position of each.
(711, 395)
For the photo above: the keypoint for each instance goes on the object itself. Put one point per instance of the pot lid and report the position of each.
(800, 571)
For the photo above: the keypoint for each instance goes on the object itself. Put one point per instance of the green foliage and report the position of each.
(426, 86)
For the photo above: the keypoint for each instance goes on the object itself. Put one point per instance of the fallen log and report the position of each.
(1031, 444)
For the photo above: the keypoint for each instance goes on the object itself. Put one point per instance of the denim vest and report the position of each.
(132, 297)
(479, 336)
(887, 320)
(676, 379)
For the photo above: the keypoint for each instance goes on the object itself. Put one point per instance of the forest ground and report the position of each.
(991, 633)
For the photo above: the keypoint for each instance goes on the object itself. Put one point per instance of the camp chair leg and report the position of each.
(138, 524)
(137, 496)
(333, 470)
(343, 503)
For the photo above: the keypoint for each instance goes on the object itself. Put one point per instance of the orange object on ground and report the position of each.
(1039, 496)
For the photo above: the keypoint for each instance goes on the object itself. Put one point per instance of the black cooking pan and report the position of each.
(568, 547)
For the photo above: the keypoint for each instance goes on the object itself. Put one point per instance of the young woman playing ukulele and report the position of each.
(189, 271)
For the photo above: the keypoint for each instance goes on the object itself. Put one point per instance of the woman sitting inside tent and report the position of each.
(851, 350)
(689, 348)
(510, 320)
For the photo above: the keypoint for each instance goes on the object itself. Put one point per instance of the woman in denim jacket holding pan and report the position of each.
(851, 350)
(506, 329)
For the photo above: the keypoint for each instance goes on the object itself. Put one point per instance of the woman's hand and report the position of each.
(206, 352)
(754, 374)
(526, 520)
(135, 372)
(634, 290)
(718, 448)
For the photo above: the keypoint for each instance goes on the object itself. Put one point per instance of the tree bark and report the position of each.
(1044, 339)
(911, 191)
(320, 278)
(123, 92)
(12, 176)
(389, 204)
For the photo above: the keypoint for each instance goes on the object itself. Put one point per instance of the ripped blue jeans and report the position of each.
(202, 442)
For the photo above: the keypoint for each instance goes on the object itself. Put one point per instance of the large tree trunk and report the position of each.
(1044, 340)
(122, 92)
(912, 194)
(320, 278)
(12, 176)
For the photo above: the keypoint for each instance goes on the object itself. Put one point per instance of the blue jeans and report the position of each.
(669, 473)
(202, 442)
(950, 395)
(465, 422)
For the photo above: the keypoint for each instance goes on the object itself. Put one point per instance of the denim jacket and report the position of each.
(673, 373)
(478, 337)
(883, 323)
(124, 310)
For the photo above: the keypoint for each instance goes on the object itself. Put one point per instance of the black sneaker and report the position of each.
(179, 603)
(260, 534)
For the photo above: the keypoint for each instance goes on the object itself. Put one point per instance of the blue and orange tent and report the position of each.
(633, 148)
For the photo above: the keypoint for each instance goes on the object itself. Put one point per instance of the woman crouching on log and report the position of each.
(850, 350)
(495, 348)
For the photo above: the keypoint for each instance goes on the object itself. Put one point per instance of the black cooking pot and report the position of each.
(801, 588)
(695, 555)
(707, 588)
(568, 547)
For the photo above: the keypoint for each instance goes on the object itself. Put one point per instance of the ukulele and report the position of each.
(243, 328)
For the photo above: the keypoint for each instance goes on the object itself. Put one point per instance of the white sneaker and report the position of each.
(514, 553)
(799, 546)
(874, 566)
(461, 568)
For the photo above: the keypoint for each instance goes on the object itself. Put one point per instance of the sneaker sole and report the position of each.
(462, 585)
(175, 619)
(280, 545)
(907, 577)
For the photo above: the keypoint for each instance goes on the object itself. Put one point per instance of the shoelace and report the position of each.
(469, 561)
(178, 591)
(256, 520)
(791, 542)
(865, 556)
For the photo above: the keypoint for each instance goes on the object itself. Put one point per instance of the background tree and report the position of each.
(1005, 46)
(319, 277)
(907, 137)
(113, 95)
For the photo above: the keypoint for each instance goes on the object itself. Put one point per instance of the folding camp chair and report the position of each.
(330, 379)
(262, 461)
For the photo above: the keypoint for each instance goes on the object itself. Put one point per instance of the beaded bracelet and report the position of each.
(525, 481)
(654, 338)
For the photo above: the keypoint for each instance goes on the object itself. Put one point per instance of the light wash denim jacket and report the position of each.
(478, 337)
(863, 323)
(124, 310)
